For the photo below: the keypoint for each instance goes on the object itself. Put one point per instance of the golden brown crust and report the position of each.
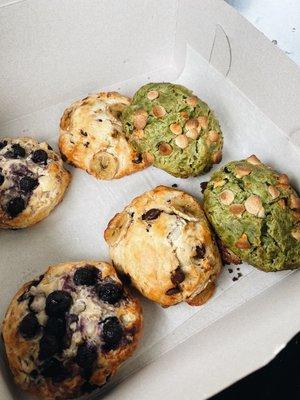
(53, 180)
(22, 354)
(91, 137)
(228, 257)
(162, 240)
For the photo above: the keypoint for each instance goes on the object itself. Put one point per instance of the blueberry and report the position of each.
(56, 326)
(53, 368)
(112, 332)
(40, 157)
(152, 214)
(110, 292)
(28, 184)
(16, 151)
(1, 179)
(86, 355)
(15, 206)
(3, 144)
(87, 275)
(29, 326)
(49, 345)
(88, 387)
(58, 303)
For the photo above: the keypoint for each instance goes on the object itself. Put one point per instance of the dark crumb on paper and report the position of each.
(230, 270)
(274, 42)
(203, 186)
(238, 268)
(240, 274)
(294, 29)
(174, 185)
(235, 278)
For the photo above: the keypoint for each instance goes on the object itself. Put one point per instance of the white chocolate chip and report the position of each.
(226, 197)
(159, 111)
(192, 101)
(192, 123)
(217, 157)
(296, 215)
(138, 134)
(281, 203)
(241, 171)
(283, 178)
(253, 160)
(192, 134)
(274, 192)
(203, 122)
(182, 141)
(176, 128)
(219, 183)
(296, 234)
(165, 149)
(184, 115)
(254, 206)
(243, 242)
(294, 202)
(237, 209)
(152, 95)
(213, 136)
(140, 119)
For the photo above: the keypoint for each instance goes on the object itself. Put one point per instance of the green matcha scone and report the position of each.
(174, 129)
(256, 214)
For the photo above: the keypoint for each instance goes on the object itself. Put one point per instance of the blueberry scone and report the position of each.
(67, 332)
(256, 214)
(33, 181)
(174, 129)
(91, 137)
(163, 243)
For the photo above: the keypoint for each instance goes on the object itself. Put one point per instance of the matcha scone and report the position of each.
(256, 214)
(174, 129)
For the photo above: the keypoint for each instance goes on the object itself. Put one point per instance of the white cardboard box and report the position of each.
(55, 51)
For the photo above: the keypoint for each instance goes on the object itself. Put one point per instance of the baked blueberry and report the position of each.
(56, 326)
(1, 179)
(28, 184)
(112, 332)
(16, 151)
(15, 206)
(49, 346)
(86, 355)
(53, 368)
(110, 292)
(39, 156)
(58, 303)
(29, 326)
(87, 275)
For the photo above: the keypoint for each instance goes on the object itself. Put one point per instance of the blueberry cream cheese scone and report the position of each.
(91, 137)
(256, 214)
(163, 243)
(33, 181)
(68, 331)
(174, 129)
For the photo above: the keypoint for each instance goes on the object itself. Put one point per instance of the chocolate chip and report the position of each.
(203, 186)
(151, 214)
(34, 374)
(53, 368)
(28, 184)
(88, 387)
(40, 157)
(58, 303)
(1, 179)
(29, 326)
(3, 144)
(83, 133)
(16, 151)
(87, 275)
(112, 332)
(110, 292)
(200, 251)
(49, 345)
(56, 326)
(15, 206)
(138, 159)
(177, 276)
(86, 355)
(63, 157)
(172, 291)
(86, 144)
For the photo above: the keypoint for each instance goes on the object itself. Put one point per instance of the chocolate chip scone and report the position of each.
(174, 129)
(33, 181)
(163, 242)
(68, 331)
(256, 214)
(91, 137)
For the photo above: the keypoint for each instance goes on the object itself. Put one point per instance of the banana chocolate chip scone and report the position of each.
(68, 331)
(163, 242)
(256, 214)
(33, 181)
(91, 137)
(174, 129)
